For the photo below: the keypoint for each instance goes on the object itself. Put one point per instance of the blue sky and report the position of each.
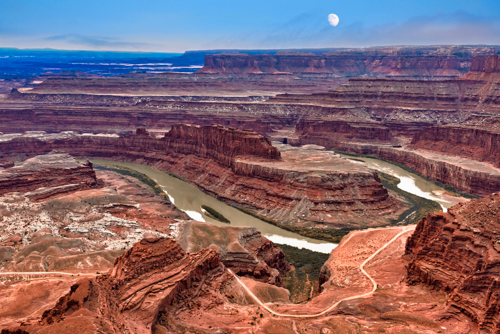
(176, 26)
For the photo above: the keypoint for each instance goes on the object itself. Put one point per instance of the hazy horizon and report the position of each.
(237, 49)
(173, 27)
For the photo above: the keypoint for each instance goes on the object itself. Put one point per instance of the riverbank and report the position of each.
(189, 199)
(448, 189)
(284, 234)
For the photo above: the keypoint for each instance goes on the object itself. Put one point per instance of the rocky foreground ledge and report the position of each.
(459, 252)
(128, 299)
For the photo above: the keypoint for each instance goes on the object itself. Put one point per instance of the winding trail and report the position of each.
(361, 267)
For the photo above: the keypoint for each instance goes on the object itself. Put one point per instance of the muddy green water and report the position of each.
(410, 182)
(190, 199)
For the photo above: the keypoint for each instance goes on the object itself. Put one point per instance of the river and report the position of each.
(190, 199)
(410, 182)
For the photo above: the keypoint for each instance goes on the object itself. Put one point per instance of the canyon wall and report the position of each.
(456, 95)
(347, 65)
(116, 114)
(400, 104)
(474, 182)
(333, 132)
(486, 64)
(145, 280)
(481, 144)
(183, 84)
(55, 173)
(221, 143)
(459, 252)
(256, 179)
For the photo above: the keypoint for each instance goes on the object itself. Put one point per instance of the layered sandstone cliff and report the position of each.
(480, 142)
(85, 113)
(183, 84)
(391, 112)
(486, 64)
(459, 252)
(46, 175)
(220, 143)
(243, 250)
(303, 188)
(476, 91)
(144, 281)
(462, 174)
(330, 133)
(334, 63)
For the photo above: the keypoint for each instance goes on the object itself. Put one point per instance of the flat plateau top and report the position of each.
(46, 162)
(310, 158)
(473, 165)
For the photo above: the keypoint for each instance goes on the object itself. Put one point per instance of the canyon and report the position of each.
(446, 130)
(297, 188)
(106, 249)
(156, 287)
(48, 243)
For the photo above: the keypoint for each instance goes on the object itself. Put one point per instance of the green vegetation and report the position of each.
(354, 159)
(140, 176)
(420, 207)
(316, 233)
(453, 191)
(214, 214)
(303, 281)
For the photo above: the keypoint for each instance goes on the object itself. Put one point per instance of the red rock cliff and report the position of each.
(58, 171)
(487, 64)
(146, 280)
(343, 64)
(459, 252)
(219, 142)
(473, 142)
(472, 181)
(253, 177)
(430, 102)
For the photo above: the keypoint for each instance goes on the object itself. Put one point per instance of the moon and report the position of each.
(333, 20)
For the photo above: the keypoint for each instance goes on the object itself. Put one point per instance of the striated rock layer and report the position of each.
(46, 175)
(220, 143)
(243, 250)
(391, 112)
(332, 191)
(146, 279)
(334, 63)
(87, 113)
(480, 142)
(459, 252)
(478, 90)
(461, 174)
